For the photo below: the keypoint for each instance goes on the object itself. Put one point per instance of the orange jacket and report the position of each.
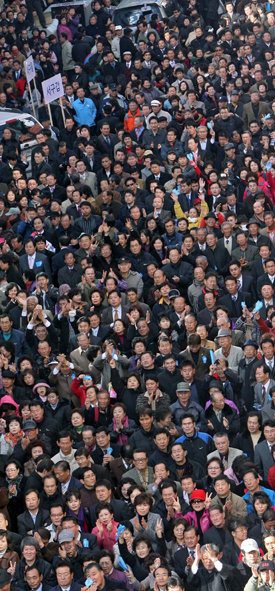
(129, 120)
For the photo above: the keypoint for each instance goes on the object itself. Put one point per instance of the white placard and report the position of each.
(53, 88)
(29, 68)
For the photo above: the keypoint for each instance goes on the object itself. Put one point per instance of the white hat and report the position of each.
(249, 545)
(155, 103)
(118, 28)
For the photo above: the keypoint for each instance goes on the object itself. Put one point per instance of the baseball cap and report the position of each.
(123, 260)
(173, 293)
(229, 146)
(199, 494)
(267, 565)
(29, 424)
(182, 387)
(66, 535)
(118, 28)
(249, 545)
(13, 211)
(155, 103)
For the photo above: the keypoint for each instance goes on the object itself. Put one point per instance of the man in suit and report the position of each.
(258, 267)
(65, 571)
(115, 310)
(70, 273)
(183, 558)
(269, 229)
(103, 492)
(233, 299)
(33, 517)
(263, 454)
(58, 259)
(63, 476)
(263, 385)
(98, 333)
(102, 448)
(254, 109)
(11, 335)
(201, 357)
(157, 175)
(218, 534)
(245, 282)
(87, 178)
(33, 260)
(218, 257)
(39, 165)
(106, 140)
(95, 572)
(204, 145)
(267, 298)
(79, 356)
(138, 132)
(225, 453)
(228, 241)
(245, 253)
(53, 190)
(154, 137)
(268, 277)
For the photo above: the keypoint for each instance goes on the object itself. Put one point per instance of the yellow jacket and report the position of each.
(181, 214)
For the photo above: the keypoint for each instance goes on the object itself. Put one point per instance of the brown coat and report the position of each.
(9, 556)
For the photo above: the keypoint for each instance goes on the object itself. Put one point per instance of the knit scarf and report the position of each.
(14, 482)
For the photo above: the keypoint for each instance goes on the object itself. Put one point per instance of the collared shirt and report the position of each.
(31, 260)
(118, 312)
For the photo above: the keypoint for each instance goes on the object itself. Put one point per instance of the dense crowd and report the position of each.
(137, 306)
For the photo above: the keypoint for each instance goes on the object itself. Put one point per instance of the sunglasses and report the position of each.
(196, 501)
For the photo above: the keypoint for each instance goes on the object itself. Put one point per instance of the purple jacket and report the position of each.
(117, 575)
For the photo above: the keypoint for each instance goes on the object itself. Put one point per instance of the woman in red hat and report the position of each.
(199, 516)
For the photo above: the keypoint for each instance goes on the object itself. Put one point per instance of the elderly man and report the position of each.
(234, 506)
(228, 351)
(185, 405)
(223, 451)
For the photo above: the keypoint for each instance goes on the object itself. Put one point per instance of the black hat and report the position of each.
(267, 565)
(5, 577)
(123, 260)
(253, 221)
(250, 343)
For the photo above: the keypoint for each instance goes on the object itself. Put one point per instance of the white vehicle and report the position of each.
(25, 128)
(128, 12)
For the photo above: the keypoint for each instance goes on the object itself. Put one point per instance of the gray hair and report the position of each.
(213, 547)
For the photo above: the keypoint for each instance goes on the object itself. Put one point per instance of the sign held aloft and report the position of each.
(29, 68)
(52, 89)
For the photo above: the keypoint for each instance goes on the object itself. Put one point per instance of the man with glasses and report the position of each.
(142, 474)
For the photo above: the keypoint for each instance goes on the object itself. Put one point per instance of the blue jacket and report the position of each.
(85, 111)
(247, 498)
(200, 435)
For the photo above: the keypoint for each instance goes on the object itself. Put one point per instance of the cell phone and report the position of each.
(89, 582)
(209, 125)
(190, 157)
(268, 165)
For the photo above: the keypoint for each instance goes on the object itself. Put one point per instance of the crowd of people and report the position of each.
(137, 306)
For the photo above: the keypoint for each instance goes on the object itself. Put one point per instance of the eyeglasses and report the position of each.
(140, 460)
